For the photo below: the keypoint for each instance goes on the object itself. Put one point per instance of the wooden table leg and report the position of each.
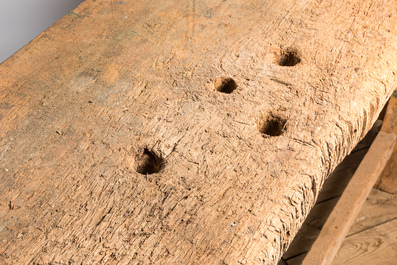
(388, 179)
(345, 212)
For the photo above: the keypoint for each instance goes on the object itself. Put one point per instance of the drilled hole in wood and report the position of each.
(289, 57)
(147, 162)
(225, 85)
(272, 126)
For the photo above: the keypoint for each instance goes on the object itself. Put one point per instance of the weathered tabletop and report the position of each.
(121, 143)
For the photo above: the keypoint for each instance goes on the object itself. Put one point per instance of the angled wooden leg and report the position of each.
(345, 212)
(388, 179)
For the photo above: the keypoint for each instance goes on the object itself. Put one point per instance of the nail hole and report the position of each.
(289, 57)
(272, 126)
(147, 162)
(225, 85)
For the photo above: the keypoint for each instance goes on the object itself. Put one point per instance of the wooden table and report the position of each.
(175, 132)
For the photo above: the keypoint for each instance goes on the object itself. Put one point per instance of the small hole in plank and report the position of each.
(272, 125)
(289, 57)
(147, 162)
(225, 84)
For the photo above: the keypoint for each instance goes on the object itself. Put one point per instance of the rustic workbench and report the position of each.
(184, 132)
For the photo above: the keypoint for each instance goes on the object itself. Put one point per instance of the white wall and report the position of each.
(22, 20)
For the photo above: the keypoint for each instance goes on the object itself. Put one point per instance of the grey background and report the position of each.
(22, 20)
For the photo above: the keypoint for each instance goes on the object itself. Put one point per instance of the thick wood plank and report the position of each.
(120, 89)
(388, 179)
(338, 180)
(374, 246)
(351, 201)
(364, 144)
(311, 228)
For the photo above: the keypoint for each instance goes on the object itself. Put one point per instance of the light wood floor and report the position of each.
(372, 239)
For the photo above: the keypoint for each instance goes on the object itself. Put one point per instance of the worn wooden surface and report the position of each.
(374, 223)
(327, 200)
(372, 238)
(329, 196)
(374, 246)
(349, 205)
(388, 179)
(117, 83)
(379, 208)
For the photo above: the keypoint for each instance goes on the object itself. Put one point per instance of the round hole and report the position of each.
(147, 162)
(289, 57)
(272, 126)
(225, 85)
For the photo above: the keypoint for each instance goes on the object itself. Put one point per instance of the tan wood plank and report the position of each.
(375, 246)
(329, 196)
(340, 177)
(184, 132)
(351, 201)
(311, 228)
(388, 179)
(380, 207)
(338, 180)
(366, 142)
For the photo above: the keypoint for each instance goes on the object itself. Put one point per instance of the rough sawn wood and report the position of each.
(353, 198)
(388, 179)
(117, 83)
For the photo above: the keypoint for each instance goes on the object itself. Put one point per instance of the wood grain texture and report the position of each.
(378, 209)
(340, 177)
(388, 180)
(330, 194)
(374, 246)
(311, 228)
(81, 101)
(346, 210)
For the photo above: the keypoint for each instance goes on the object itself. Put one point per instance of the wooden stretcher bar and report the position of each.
(388, 179)
(346, 210)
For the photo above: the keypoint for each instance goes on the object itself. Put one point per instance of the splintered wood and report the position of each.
(184, 132)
